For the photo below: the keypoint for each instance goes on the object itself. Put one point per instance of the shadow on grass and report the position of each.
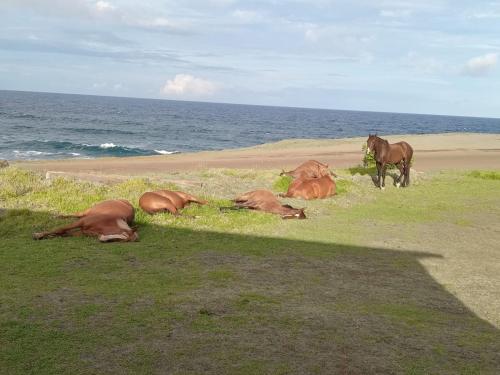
(362, 170)
(392, 172)
(189, 302)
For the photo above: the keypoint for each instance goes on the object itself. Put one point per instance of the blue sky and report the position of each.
(438, 57)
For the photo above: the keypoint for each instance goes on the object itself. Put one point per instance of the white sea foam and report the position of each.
(30, 152)
(163, 152)
(107, 145)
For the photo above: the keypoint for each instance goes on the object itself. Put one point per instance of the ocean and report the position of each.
(57, 126)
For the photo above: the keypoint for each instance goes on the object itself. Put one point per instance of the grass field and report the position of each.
(404, 281)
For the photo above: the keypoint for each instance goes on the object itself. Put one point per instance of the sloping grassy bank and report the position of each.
(372, 282)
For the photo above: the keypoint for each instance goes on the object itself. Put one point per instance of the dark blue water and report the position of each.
(44, 126)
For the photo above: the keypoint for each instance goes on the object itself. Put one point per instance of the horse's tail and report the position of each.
(407, 164)
(409, 155)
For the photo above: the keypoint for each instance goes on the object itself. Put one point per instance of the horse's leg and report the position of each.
(61, 231)
(384, 169)
(379, 174)
(401, 167)
(407, 173)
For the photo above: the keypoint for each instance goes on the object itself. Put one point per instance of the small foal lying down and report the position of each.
(311, 188)
(264, 200)
(167, 201)
(108, 221)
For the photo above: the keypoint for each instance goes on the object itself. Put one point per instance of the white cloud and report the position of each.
(395, 13)
(105, 11)
(481, 65)
(104, 6)
(312, 34)
(424, 64)
(247, 16)
(99, 85)
(186, 84)
(486, 15)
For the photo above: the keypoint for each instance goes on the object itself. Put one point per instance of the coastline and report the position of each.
(432, 152)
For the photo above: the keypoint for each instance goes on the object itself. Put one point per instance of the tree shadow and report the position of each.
(186, 301)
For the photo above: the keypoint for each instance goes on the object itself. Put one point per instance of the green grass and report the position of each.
(240, 292)
(282, 183)
(485, 175)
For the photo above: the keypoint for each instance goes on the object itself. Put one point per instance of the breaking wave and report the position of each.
(57, 149)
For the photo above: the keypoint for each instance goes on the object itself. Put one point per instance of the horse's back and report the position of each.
(408, 150)
(399, 151)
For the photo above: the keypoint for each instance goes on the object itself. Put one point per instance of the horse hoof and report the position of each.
(382, 188)
(398, 184)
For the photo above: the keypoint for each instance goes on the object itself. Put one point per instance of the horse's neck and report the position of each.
(380, 145)
(282, 210)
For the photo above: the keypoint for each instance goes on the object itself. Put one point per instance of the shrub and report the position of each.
(16, 182)
(368, 159)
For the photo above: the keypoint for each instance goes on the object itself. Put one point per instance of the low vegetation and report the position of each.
(485, 175)
(372, 282)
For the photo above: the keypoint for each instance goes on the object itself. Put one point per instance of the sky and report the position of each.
(437, 57)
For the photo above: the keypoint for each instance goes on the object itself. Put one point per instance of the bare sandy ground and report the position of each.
(432, 152)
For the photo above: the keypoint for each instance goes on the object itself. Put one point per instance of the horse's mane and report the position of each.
(381, 139)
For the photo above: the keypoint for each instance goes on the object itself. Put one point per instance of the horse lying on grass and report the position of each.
(311, 188)
(108, 221)
(115, 207)
(153, 202)
(264, 200)
(309, 169)
(385, 153)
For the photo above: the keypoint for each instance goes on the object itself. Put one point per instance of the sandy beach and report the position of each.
(432, 152)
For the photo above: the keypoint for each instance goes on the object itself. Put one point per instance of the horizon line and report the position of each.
(253, 105)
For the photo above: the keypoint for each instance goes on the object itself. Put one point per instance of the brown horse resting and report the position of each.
(309, 169)
(385, 153)
(115, 207)
(311, 188)
(108, 221)
(166, 201)
(264, 200)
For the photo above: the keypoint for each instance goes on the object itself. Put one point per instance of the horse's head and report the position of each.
(134, 236)
(293, 213)
(370, 142)
(323, 170)
(122, 233)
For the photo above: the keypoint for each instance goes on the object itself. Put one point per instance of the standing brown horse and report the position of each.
(385, 153)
